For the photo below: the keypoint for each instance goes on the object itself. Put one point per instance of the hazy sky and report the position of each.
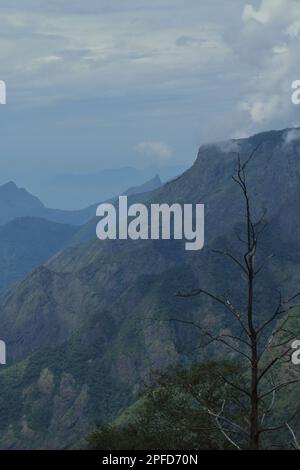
(105, 83)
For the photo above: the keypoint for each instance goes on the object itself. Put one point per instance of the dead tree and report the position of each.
(261, 344)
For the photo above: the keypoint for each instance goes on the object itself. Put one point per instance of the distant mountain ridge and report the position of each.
(18, 202)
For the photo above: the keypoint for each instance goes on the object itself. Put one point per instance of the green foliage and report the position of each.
(169, 416)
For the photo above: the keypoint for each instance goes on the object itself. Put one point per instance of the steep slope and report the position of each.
(84, 330)
(150, 185)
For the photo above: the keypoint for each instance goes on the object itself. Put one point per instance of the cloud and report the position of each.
(158, 150)
(266, 44)
(122, 54)
(261, 109)
(227, 146)
(47, 59)
(292, 135)
(187, 41)
(269, 9)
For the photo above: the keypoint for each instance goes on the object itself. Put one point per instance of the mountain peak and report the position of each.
(156, 179)
(151, 185)
(16, 202)
(9, 185)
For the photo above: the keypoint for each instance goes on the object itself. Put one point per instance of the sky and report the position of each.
(95, 84)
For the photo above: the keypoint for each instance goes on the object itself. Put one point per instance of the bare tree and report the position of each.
(261, 344)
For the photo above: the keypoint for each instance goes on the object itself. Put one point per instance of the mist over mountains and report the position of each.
(84, 329)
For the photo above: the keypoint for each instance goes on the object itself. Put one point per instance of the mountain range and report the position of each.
(84, 329)
(17, 202)
(32, 233)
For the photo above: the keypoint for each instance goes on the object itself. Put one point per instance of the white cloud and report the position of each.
(108, 51)
(292, 135)
(293, 29)
(267, 46)
(227, 146)
(47, 61)
(268, 10)
(262, 109)
(158, 150)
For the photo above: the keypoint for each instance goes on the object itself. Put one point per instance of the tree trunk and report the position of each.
(254, 419)
(254, 422)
